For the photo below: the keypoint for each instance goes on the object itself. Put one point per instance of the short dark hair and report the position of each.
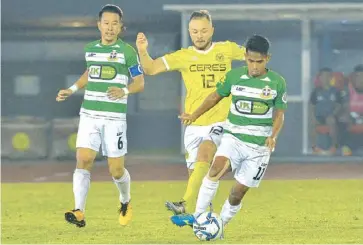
(358, 68)
(326, 69)
(111, 8)
(201, 14)
(258, 44)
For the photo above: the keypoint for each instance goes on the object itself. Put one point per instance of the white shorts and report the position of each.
(110, 134)
(249, 161)
(195, 135)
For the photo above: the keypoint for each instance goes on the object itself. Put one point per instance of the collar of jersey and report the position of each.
(204, 51)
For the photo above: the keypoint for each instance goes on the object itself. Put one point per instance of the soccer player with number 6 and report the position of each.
(202, 66)
(111, 64)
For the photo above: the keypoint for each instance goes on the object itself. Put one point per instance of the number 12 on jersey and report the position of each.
(208, 81)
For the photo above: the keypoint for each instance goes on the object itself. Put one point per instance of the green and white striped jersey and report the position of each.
(253, 99)
(108, 65)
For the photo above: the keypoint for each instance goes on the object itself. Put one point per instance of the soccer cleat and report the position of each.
(75, 217)
(183, 220)
(176, 207)
(125, 213)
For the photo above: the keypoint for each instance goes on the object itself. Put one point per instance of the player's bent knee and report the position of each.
(219, 168)
(116, 167)
(206, 151)
(116, 173)
(85, 158)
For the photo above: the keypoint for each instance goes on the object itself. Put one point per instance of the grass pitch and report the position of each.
(280, 211)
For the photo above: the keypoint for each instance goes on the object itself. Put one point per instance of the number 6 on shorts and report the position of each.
(120, 143)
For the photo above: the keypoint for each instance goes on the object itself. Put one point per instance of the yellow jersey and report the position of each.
(201, 70)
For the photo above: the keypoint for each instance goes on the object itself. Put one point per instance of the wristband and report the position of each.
(74, 88)
(126, 91)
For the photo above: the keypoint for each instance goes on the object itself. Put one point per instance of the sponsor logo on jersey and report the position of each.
(105, 72)
(220, 57)
(91, 55)
(239, 88)
(244, 106)
(207, 67)
(251, 107)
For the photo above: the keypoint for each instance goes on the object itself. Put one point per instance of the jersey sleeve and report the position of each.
(133, 62)
(281, 98)
(86, 50)
(174, 61)
(238, 52)
(224, 86)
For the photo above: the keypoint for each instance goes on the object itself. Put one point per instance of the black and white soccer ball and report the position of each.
(208, 227)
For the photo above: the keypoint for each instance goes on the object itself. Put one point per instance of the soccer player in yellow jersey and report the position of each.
(202, 66)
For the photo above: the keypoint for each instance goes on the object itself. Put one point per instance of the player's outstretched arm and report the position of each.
(150, 66)
(65, 93)
(207, 104)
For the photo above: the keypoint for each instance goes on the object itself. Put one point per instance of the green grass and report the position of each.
(310, 211)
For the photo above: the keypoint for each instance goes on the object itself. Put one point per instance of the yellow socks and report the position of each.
(194, 183)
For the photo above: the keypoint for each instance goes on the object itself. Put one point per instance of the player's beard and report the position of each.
(204, 47)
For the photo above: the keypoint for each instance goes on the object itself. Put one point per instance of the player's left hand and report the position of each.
(115, 93)
(187, 119)
(270, 143)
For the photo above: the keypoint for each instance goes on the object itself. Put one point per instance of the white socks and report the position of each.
(123, 185)
(81, 184)
(229, 211)
(206, 194)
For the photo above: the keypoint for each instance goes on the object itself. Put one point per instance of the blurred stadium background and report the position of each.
(42, 52)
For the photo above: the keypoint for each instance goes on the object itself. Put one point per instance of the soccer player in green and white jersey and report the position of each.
(111, 63)
(250, 132)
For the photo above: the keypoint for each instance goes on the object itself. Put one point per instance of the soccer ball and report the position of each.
(208, 226)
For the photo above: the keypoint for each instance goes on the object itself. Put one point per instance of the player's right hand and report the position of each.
(141, 42)
(187, 119)
(63, 94)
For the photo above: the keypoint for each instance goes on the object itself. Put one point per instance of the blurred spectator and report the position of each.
(356, 95)
(326, 104)
(353, 110)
